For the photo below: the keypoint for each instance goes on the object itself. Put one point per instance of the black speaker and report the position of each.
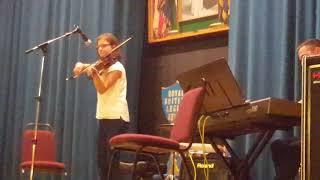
(215, 167)
(310, 123)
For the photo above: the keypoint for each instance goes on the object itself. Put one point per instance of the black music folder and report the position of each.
(223, 91)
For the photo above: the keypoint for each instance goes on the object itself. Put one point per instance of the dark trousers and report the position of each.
(107, 129)
(286, 158)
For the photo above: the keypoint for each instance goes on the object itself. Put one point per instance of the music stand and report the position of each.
(223, 91)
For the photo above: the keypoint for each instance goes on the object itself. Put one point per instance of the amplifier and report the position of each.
(215, 167)
(310, 124)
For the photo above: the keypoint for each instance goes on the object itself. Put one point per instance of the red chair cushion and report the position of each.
(155, 144)
(44, 165)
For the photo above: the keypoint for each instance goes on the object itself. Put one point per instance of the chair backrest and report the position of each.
(45, 145)
(188, 114)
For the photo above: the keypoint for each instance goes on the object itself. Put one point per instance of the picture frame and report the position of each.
(177, 19)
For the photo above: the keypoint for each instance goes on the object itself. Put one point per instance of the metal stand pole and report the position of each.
(38, 99)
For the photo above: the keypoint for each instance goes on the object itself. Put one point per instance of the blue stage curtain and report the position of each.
(263, 38)
(69, 106)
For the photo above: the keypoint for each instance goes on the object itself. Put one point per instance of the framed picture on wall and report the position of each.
(175, 19)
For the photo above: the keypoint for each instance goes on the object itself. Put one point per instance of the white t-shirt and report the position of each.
(112, 104)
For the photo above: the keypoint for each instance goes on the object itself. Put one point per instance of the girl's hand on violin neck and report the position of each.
(91, 71)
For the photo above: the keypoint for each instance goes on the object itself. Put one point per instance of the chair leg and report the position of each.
(113, 152)
(157, 165)
(135, 163)
(21, 174)
(185, 165)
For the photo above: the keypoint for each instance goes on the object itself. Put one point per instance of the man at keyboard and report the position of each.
(286, 153)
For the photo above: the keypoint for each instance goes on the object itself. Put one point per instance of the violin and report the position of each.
(100, 66)
(104, 64)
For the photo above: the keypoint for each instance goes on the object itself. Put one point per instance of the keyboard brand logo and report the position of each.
(316, 77)
(203, 165)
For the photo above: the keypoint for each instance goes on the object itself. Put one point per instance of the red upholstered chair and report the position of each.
(45, 154)
(182, 131)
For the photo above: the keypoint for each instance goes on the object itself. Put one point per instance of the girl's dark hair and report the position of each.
(113, 40)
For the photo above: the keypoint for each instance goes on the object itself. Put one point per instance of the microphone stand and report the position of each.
(44, 48)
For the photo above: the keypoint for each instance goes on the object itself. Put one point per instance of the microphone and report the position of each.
(87, 41)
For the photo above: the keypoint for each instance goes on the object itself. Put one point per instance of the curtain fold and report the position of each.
(69, 106)
(263, 38)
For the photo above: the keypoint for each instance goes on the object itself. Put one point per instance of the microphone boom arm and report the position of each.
(45, 44)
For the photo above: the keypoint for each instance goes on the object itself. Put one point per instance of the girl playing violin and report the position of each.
(112, 112)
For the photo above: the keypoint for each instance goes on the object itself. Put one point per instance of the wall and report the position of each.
(162, 63)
